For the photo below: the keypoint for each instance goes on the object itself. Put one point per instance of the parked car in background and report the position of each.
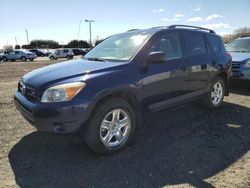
(39, 53)
(46, 52)
(19, 55)
(105, 94)
(78, 51)
(240, 52)
(1, 56)
(61, 53)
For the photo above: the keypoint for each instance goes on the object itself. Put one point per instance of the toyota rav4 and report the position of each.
(105, 94)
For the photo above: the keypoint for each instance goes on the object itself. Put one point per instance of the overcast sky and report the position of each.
(59, 20)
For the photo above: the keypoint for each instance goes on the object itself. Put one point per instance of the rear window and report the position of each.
(214, 43)
(194, 44)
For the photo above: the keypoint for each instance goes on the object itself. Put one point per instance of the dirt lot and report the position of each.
(183, 147)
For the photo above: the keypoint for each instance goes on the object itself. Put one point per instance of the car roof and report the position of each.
(173, 27)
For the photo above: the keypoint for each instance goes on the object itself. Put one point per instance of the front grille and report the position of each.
(29, 92)
(236, 69)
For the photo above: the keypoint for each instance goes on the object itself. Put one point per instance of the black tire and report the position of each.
(52, 58)
(5, 59)
(68, 57)
(23, 58)
(207, 101)
(31, 59)
(92, 135)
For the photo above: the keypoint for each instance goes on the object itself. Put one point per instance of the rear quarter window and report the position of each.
(214, 43)
(194, 43)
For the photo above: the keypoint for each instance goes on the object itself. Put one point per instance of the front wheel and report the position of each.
(111, 126)
(214, 97)
(5, 59)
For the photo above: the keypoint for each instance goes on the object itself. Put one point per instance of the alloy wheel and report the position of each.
(115, 127)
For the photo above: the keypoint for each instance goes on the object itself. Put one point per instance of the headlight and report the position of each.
(247, 64)
(64, 92)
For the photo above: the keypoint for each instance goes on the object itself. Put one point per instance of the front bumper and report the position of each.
(239, 72)
(242, 74)
(61, 117)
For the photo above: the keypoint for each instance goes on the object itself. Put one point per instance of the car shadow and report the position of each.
(185, 145)
(241, 87)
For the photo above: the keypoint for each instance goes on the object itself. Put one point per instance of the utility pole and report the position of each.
(79, 29)
(16, 40)
(90, 34)
(27, 35)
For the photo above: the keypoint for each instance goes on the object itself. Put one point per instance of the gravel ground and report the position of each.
(182, 147)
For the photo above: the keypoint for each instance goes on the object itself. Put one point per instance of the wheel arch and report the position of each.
(131, 95)
(224, 76)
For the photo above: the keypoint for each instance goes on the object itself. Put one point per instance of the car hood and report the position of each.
(240, 56)
(67, 70)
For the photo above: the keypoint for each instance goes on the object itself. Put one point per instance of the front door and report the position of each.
(164, 84)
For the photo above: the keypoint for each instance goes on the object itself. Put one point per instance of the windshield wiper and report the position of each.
(96, 59)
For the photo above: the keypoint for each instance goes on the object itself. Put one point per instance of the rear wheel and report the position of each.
(111, 126)
(69, 56)
(23, 58)
(52, 58)
(214, 97)
(31, 59)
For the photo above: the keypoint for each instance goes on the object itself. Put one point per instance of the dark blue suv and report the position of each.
(105, 94)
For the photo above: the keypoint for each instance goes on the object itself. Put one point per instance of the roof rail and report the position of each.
(132, 30)
(194, 27)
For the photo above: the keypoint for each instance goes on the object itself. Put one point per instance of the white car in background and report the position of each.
(61, 53)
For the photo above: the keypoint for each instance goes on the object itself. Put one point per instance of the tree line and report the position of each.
(51, 44)
(241, 32)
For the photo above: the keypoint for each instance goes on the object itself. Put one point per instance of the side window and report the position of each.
(65, 51)
(169, 44)
(194, 43)
(214, 43)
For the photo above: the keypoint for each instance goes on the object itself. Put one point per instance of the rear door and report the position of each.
(165, 84)
(216, 52)
(199, 60)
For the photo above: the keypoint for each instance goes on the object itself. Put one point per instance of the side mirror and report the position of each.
(155, 58)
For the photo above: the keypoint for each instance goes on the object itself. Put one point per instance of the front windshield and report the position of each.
(239, 45)
(121, 47)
